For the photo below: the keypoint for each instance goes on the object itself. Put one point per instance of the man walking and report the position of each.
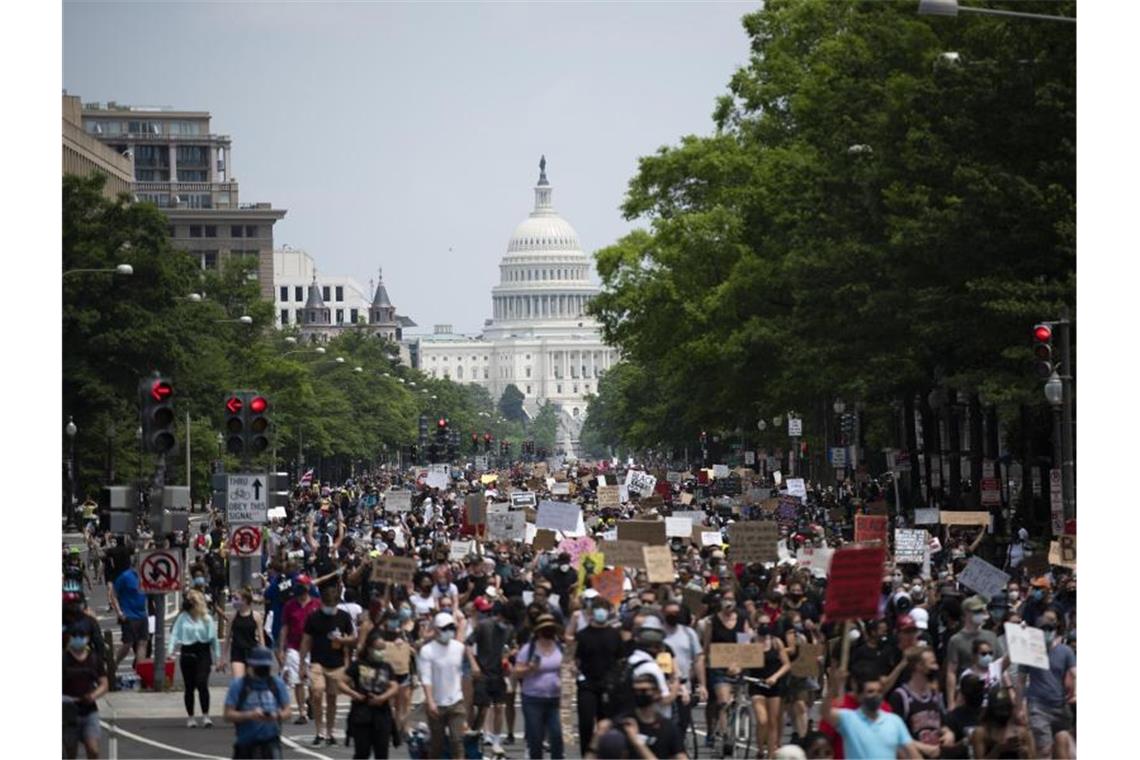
(129, 604)
(439, 663)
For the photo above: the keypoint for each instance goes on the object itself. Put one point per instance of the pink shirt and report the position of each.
(294, 615)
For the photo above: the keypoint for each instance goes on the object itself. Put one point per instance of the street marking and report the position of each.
(160, 745)
(294, 745)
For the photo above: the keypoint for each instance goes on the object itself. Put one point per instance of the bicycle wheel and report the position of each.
(742, 733)
(696, 740)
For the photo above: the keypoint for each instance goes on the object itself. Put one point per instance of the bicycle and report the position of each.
(740, 721)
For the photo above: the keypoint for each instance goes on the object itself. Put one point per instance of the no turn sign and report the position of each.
(245, 540)
(160, 572)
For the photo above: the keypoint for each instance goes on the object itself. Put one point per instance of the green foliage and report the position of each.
(511, 404)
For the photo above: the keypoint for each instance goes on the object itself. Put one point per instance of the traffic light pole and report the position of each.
(160, 613)
(1068, 459)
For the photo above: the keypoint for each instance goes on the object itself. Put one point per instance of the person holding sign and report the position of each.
(767, 696)
(725, 627)
(959, 651)
(868, 732)
(1051, 691)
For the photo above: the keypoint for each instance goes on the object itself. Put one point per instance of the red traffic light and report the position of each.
(160, 390)
(1043, 333)
(486, 436)
(233, 405)
(258, 405)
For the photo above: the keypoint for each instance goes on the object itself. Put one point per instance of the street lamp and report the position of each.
(244, 319)
(69, 504)
(221, 439)
(358, 369)
(839, 407)
(761, 426)
(951, 8)
(124, 269)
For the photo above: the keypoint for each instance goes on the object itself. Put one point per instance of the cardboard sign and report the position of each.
(650, 503)
(1026, 646)
(720, 470)
(806, 664)
(460, 550)
(821, 561)
(926, 516)
(539, 470)
(544, 539)
(609, 497)
(500, 508)
(576, 547)
(658, 564)
(753, 541)
(398, 501)
(694, 516)
(623, 553)
(610, 585)
(398, 570)
(910, 545)
(736, 655)
(1068, 549)
(640, 483)
(438, 480)
(686, 498)
(983, 577)
(558, 515)
(506, 526)
(964, 518)
(646, 531)
(870, 528)
(476, 509)
(523, 499)
(680, 527)
(854, 583)
(797, 487)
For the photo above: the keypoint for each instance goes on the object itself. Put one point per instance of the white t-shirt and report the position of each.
(440, 667)
(451, 591)
(422, 606)
(354, 611)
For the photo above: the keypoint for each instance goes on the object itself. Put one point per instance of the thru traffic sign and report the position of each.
(247, 498)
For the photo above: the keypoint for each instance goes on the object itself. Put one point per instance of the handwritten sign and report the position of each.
(870, 528)
(854, 583)
(640, 483)
(398, 570)
(523, 499)
(610, 585)
(560, 489)
(460, 550)
(710, 538)
(964, 518)
(576, 547)
(476, 509)
(623, 553)
(398, 501)
(686, 498)
(506, 526)
(926, 516)
(647, 531)
(658, 564)
(806, 664)
(983, 577)
(736, 655)
(439, 480)
(753, 541)
(609, 497)
(720, 470)
(787, 507)
(910, 545)
(1026, 646)
(680, 527)
(558, 515)
(797, 487)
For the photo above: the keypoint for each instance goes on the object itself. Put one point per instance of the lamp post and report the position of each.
(69, 501)
(110, 453)
(125, 270)
(138, 442)
(1054, 394)
(951, 8)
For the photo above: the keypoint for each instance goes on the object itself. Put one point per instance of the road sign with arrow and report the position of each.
(247, 497)
(160, 572)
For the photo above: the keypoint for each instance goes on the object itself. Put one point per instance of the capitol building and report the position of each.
(539, 337)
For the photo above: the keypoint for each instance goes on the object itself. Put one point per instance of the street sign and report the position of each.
(245, 540)
(795, 427)
(750, 458)
(247, 498)
(838, 456)
(1056, 503)
(991, 492)
(160, 572)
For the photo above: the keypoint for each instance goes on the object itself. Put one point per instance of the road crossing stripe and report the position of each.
(294, 745)
(151, 742)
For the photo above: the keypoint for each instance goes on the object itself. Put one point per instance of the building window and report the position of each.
(528, 357)
(236, 230)
(559, 387)
(434, 358)
(191, 175)
(195, 230)
(528, 371)
(445, 358)
(325, 293)
(485, 375)
(528, 390)
(284, 317)
(211, 230)
(210, 260)
(172, 231)
(575, 387)
(298, 293)
(340, 292)
(355, 315)
(284, 293)
(251, 231)
(340, 316)
(459, 373)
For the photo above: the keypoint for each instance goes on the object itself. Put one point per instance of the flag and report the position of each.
(307, 479)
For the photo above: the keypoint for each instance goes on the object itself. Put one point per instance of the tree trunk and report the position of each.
(953, 432)
(976, 449)
(911, 438)
(931, 449)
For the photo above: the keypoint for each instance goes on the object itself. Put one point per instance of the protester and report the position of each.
(439, 664)
(369, 683)
(84, 682)
(244, 632)
(195, 634)
(868, 732)
(295, 612)
(1050, 692)
(129, 605)
(327, 639)
(257, 703)
(538, 665)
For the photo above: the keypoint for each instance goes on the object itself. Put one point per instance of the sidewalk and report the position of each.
(149, 704)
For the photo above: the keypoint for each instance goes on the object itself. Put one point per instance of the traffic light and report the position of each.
(475, 443)
(1043, 350)
(157, 396)
(487, 439)
(257, 415)
(423, 430)
(247, 423)
(235, 424)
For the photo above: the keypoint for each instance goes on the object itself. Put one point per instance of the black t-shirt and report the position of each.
(962, 721)
(661, 737)
(598, 651)
(476, 583)
(490, 639)
(81, 678)
(320, 627)
(368, 677)
(883, 656)
(118, 559)
(514, 587)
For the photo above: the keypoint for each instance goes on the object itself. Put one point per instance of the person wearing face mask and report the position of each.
(423, 602)
(960, 648)
(294, 614)
(439, 664)
(562, 577)
(489, 642)
(398, 654)
(371, 685)
(196, 636)
(688, 663)
(538, 667)
(328, 636)
(797, 691)
(84, 682)
(767, 696)
(869, 733)
(646, 732)
(1040, 599)
(1051, 692)
(920, 705)
(725, 627)
(998, 735)
(987, 668)
(598, 651)
(257, 704)
(244, 632)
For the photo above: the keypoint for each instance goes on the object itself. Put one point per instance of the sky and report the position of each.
(407, 136)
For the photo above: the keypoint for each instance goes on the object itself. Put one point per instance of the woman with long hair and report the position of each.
(999, 735)
(539, 666)
(244, 632)
(196, 634)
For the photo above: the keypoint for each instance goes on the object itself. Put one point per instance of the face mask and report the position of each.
(672, 619)
(405, 613)
(979, 618)
(199, 581)
(261, 671)
(445, 636)
(643, 699)
(1038, 594)
(871, 704)
(728, 605)
(78, 643)
(376, 655)
(1049, 633)
(601, 615)
(985, 660)
(564, 568)
(886, 588)
(328, 610)
(1014, 595)
(763, 630)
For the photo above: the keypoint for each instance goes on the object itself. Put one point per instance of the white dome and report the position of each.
(544, 231)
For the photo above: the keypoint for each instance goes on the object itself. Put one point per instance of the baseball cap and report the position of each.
(974, 604)
(920, 617)
(442, 620)
(260, 656)
(482, 604)
(589, 593)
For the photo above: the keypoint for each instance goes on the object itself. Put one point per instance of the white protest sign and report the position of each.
(778, 477)
(720, 470)
(796, 487)
(1026, 646)
(460, 549)
(640, 483)
(623, 494)
(910, 545)
(246, 498)
(709, 537)
(673, 476)
(441, 468)
(439, 480)
(497, 507)
(560, 489)
(507, 526)
(750, 458)
(821, 561)
(481, 462)
(559, 515)
(926, 516)
(678, 526)
(277, 512)
(398, 501)
(983, 577)
(531, 532)
(695, 516)
(610, 535)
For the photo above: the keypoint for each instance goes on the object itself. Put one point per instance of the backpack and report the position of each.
(247, 687)
(617, 690)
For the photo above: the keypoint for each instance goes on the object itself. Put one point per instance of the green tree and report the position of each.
(511, 403)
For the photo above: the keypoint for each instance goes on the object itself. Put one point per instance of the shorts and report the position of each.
(490, 690)
(135, 630)
(717, 676)
(763, 690)
(291, 673)
(81, 728)
(404, 680)
(1046, 721)
(325, 679)
(238, 654)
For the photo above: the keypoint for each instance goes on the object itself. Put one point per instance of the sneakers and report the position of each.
(317, 740)
(191, 723)
(509, 740)
(300, 720)
(488, 739)
(710, 740)
(330, 741)
(206, 722)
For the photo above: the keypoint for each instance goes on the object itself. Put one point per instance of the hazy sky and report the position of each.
(408, 135)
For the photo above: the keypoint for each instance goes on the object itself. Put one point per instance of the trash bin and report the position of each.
(145, 669)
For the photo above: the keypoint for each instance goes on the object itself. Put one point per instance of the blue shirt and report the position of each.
(261, 696)
(1047, 686)
(131, 601)
(866, 739)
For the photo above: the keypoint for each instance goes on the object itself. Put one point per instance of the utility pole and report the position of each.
(1068, 459)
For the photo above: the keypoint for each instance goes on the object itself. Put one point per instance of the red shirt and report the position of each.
(849, 703)
(294, 615)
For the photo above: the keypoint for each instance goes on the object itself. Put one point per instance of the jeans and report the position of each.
(541, 720)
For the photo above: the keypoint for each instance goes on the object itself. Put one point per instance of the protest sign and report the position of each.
(398, 501)
(1068, 549)
(983, 577)
(910, 545)
(398, 570)
(476, 509)
(674, 477)
(964, 518)
(926, 516)
(651, 502)
(543, 539)
(610, 585)
(460, 550)
(806, 664)
(869, 528)
(854, 583)
(787, 508)
(438, 480)
(560, 489)
(506, 526)
(558, 515)
(623, 553)
(686, 498)
(720, 470)
(609, 497)
(1026, 646)
(711, 538)
(623, 494)
(501, 508)
(576, 547)
(521, 499)
(678, 526)
(658, 564)
(640, 483)
(694, 516)
(797, 487)
(736, 655)
(539, 470)
(753, 541)
(646, 531)
(821, 561)
(531, 532)
(589, 564)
